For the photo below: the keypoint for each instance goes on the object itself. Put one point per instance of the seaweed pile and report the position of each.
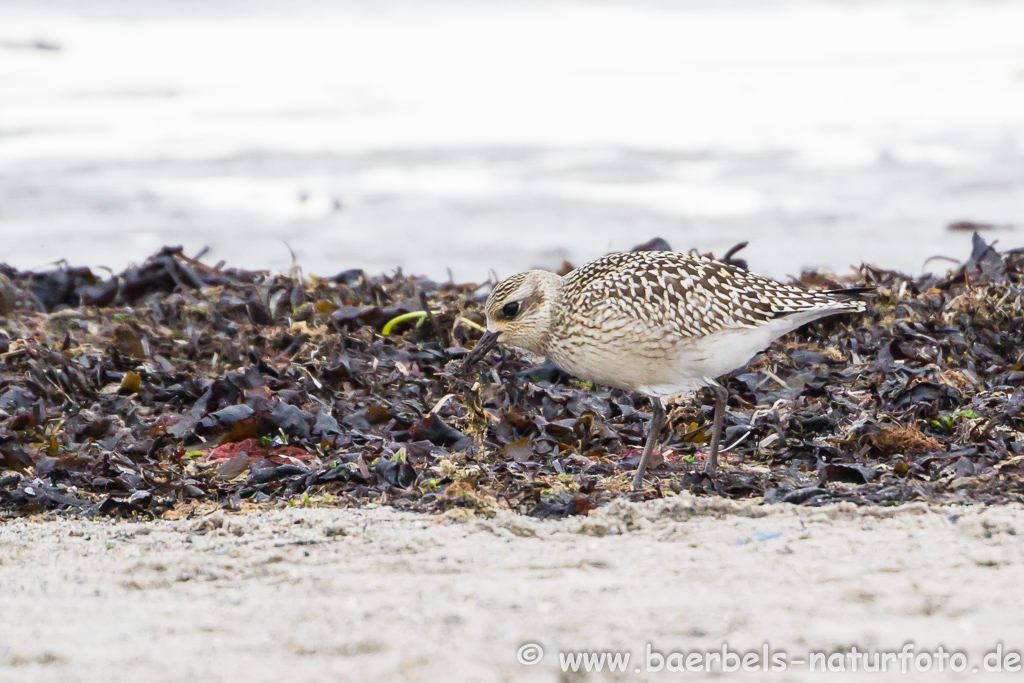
(176, 384)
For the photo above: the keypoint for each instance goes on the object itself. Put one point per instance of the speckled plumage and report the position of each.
(691, 295)
(657, 322)
(650, 321)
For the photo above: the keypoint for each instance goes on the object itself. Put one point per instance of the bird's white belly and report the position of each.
(660, 367)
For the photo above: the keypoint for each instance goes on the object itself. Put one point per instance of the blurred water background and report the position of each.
(507, 134)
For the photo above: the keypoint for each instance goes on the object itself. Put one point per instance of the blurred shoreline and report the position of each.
(504, 136)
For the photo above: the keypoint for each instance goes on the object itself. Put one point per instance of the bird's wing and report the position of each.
(669, 293)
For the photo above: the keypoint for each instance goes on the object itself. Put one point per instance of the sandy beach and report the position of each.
(376, 595)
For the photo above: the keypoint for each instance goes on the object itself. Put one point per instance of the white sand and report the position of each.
(391, 597)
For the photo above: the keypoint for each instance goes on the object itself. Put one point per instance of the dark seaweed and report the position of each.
(175, 383)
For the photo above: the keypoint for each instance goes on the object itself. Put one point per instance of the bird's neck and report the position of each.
(550, 286)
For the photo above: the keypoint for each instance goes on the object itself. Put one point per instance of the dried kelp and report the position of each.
(176, 382)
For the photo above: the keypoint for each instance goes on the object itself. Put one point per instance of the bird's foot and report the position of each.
(711, 471)
(629, 453)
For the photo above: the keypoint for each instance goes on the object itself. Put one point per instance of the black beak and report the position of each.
(486, 343)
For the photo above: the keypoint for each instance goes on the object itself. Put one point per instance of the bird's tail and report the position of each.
(853, 298)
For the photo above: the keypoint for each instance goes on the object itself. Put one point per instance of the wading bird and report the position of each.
(660, 323)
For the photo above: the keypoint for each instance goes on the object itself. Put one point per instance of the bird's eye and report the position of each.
(510, 309)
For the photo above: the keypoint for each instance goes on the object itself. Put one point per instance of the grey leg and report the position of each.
(721, 400)
(653, 431)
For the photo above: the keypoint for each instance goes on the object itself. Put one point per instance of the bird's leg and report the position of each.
(653, 431)
(721, 400)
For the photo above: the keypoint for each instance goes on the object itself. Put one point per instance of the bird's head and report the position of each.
(520, 312)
